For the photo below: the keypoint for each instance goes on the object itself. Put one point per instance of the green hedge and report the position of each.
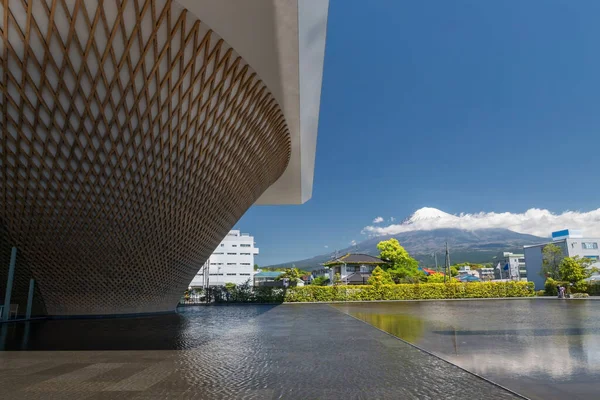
(593, 289)
(551, 287)
(420, 291)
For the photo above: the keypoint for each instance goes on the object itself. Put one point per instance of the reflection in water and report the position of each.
(187, 329)
(287, 352)
(406, 327)
(524, 344)
(561, 358)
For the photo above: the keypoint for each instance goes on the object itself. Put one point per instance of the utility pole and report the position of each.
(448, 260)
(447, 264)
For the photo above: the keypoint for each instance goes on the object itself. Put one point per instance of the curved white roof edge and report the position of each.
(284, 42)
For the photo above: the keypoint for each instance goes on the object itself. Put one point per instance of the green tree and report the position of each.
(438, 278)
(404, 275)
(453, 271)
(293, 274)
(320, 281)
(379, 277)
(256, 267)
(402, 266)
(575, 269)
(337, 279)
(391, 250)
(552, 256)
(471, 265)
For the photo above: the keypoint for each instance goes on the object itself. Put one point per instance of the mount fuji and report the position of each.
(427, 213)
(420, 237)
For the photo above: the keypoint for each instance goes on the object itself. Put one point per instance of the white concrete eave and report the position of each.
(284, 42)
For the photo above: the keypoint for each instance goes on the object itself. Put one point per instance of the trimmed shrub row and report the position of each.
(420, 291)
(593, 289)
(551, 287)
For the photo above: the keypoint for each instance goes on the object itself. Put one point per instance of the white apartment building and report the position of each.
(231, 262)
(571, 242)
(513, 266)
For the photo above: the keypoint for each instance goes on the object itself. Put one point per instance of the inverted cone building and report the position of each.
(135, 133)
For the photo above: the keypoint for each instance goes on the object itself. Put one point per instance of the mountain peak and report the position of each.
(427, 213)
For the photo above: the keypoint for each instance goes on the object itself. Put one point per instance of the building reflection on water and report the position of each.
(175, 331)
(537, 341)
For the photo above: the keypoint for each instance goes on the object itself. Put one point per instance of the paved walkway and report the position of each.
(230, 352)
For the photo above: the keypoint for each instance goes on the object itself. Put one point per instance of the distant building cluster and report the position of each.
(233, 262)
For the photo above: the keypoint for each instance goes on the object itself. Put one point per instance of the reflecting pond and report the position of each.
(542, 348)
(303, 351)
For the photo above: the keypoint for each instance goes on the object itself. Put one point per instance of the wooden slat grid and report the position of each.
(133, 138)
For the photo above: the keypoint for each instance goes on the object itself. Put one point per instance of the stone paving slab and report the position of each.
(247, 352)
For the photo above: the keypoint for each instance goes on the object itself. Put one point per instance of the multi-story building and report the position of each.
(231, 262)
(571, 242)
(513, 266)
(135, 134)
(486, 274)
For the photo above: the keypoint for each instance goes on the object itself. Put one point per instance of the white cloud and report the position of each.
(353, 243)
(534, 221)
(392, 219)
(378, 220)
(326, 246)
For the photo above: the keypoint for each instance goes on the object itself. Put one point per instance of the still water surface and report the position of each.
(541, 348)
(304, 351)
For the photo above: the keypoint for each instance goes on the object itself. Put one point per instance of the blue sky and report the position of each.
(466, 106)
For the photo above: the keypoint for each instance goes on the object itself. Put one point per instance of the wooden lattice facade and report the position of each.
(132, 139)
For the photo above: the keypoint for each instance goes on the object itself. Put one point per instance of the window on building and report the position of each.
(521, 260)
(232, 254)
(213, 263)
(245, 274)
(245, 245)
(230, 274)
(595, 258)
(218, 253)
(234, 245)
(589, 245)
(244, 254)
(219, 263)
(245, 263)
(231, 263)
(222, 245)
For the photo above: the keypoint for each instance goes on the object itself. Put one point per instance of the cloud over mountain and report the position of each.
(534, 221)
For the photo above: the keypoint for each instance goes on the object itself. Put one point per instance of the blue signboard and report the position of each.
(560, 234)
